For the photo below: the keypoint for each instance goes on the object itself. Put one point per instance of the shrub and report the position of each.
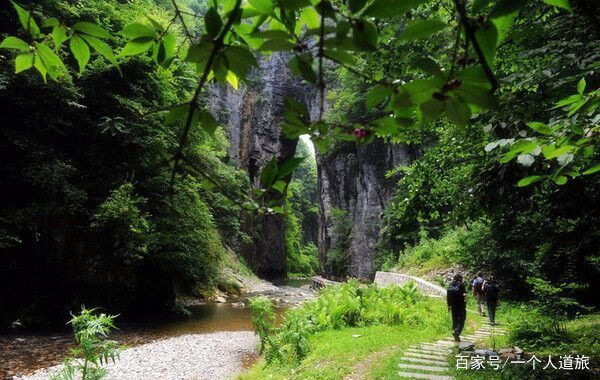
(348, 305)
(93, 349)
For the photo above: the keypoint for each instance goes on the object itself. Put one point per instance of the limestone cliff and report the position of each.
(353, 179)
(254, 114)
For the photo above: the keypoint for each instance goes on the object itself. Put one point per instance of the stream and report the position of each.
(25, 353)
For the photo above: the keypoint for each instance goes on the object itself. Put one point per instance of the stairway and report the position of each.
(432, 360)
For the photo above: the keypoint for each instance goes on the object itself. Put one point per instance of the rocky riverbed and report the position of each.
(218, 355)
(213, 343)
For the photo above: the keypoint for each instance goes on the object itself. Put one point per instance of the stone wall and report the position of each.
(429, 288)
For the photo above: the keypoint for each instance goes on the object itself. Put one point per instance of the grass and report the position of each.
(387, 367)
(336, 353)
(581, 337)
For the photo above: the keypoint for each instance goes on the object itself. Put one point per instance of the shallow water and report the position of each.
(25, 353)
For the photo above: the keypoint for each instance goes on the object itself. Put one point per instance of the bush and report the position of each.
(93, 349)
(348, 305)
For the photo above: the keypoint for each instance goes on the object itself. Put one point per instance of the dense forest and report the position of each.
(155, 151)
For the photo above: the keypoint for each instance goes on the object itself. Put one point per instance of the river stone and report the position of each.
(466, 346)
(485, 352)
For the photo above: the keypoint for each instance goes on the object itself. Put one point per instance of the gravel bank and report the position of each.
(196, 356)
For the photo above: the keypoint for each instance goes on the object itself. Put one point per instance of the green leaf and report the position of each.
(581, 86)
(506, 7)
(559, 151)
(276, 45)
(503, 16)
(27, 20)
(137, 30)
(279, 185)
(592, 170)
(240, 60)
(269, 173)
(157, 26)
(168, 43)
(39, 65)
(91, 29)
(487, 37)
(264, 7)
(560, 180)
(102, 48)
(310, 18)
(137, 46)
(207, 121)
(529, 180)
(476, 95)
(199, 53)
(340, 56)
(212, 22)
(385, 127)
(432, 109)
(302, 65)
(421, 28)
(416, 92)
(59, 36)
(50, 22)
(540, 127)
(294, 4)
(53, 64)
(232, 79)
(24, 62)
(80, 51)
(175, 114)
(458, 112)
(564, 4)
(356, 5)
(378, 95)
(289, 166)
(364, 34)
(11, 42)
(391, 8)
(429, 66)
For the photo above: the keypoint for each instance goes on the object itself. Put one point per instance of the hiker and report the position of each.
(457, 305)
(490, 290)
(478, 293)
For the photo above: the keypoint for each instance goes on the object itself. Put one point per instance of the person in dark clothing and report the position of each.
(457, 305)
(490, 289)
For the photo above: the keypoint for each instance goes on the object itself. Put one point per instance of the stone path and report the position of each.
(430, 360)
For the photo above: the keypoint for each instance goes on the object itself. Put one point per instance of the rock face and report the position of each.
(254, 115)
(352, 179)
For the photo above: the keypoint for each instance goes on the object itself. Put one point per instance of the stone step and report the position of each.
(428, 352)
(425, 356)
(425, 361)
(434, 348)
(419, 367)
(436, 345)
(448, 343)
(427, 376)
(497, 332)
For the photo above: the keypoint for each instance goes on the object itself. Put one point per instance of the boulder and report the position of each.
(485, 352)
(466, 346)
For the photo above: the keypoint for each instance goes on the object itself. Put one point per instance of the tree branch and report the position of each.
(470, 32)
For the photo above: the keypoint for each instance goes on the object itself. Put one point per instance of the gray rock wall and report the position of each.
(353, 179)
(253, 115)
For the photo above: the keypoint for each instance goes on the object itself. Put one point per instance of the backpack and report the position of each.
(491, 291)
(455, 295)
(477, 284)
